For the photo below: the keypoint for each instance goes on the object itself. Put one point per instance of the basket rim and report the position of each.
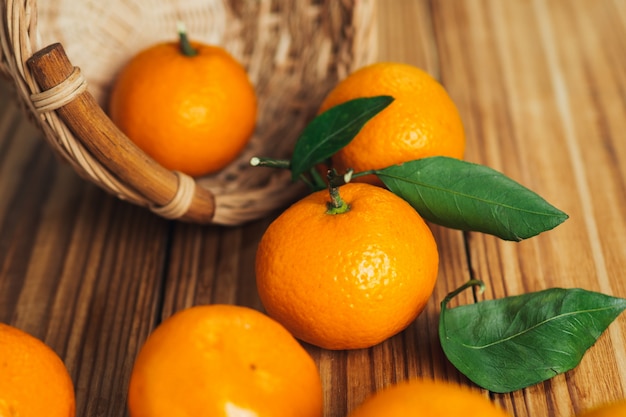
(60, 107)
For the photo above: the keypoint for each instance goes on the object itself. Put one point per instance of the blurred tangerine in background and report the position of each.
(34, 381)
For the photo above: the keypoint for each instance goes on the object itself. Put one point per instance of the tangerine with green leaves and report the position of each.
(188, 105)
(347, 272)
(426, 397)
(34, 381)
(422, 120)
(223, 361)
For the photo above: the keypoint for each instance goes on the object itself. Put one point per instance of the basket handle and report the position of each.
(171, 194)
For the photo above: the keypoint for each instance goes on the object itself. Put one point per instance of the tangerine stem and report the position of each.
(317, 182)
(472, 283)
(257, 161)
(185, 45)
(469, 284)
(336, 205)
(364, 173)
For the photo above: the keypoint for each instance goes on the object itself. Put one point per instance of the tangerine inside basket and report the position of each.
(63, 57)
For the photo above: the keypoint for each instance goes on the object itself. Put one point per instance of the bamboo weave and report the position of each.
(294, 52)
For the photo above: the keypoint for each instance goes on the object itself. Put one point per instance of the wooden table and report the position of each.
(541, 86)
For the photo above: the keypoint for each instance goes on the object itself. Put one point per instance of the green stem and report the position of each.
(444, 304)
(469, 284)
(185, 45)
(317, 182)
(336, 205)
(364, 173)
(257, 161)
(310, 184)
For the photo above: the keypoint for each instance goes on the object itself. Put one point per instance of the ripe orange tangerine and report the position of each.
(223, 361)
(422, 120)
(427, 397)
(611, 409)
(347, 279)
(188, 105)
(33, 379)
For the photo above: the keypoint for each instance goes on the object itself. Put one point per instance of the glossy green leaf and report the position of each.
(332, 130)
(468, 196)
(511, 343)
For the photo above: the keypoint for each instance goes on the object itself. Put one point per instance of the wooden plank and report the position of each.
(212, 265)
(532, 81)
(540, 86)
(591, 111)
(406, 34)
(78, 268)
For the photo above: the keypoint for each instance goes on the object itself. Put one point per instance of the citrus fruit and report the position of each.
(223, 360)
(422, 120)
(425, 397)
(612, 409)
(193, 112)
(348, 280)
(34, 382)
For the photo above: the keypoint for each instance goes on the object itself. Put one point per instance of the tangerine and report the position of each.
(188, 105)
(422, 120)
(347, 280)
(223, 360)
(611, 409)
(34, 381)
(425, 397)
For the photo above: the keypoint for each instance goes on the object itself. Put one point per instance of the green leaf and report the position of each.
(511, 343)
(468, 196)
(332, 130)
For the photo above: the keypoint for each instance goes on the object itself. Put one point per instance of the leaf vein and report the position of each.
(531, 328)
(464, 195)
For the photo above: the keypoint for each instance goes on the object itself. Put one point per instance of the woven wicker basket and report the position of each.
(62, 56)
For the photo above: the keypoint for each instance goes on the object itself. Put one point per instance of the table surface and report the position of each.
(541, 87)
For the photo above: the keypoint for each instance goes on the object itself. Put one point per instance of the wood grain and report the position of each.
(540, 86)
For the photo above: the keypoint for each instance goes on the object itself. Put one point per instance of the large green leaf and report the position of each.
(332, 130)
(511, 343)
(468, 196)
